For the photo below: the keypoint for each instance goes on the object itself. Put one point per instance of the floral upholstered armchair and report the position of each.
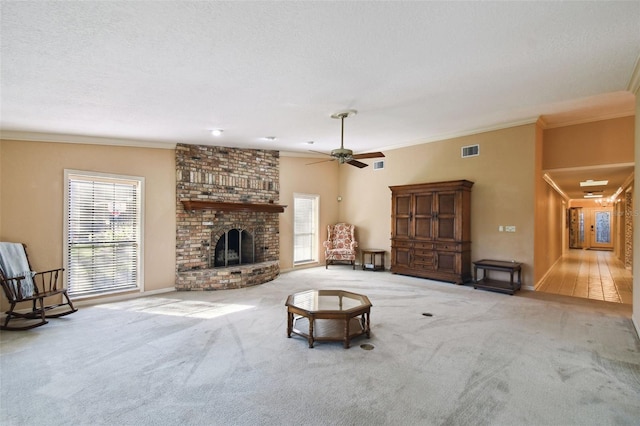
(340, 245)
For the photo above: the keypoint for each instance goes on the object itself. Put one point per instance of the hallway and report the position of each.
(590, 274)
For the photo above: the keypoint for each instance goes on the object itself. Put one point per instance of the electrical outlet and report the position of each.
(510, 228)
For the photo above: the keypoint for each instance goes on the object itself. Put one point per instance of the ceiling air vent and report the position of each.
(470, 151)
(378, 165)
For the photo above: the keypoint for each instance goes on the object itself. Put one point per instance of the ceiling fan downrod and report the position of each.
(343, 155)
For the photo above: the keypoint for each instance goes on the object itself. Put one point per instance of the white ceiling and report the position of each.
(167, 72)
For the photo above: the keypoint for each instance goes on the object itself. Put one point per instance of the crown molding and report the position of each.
(591, 119)
(594, 167)
(77, 139)
(541, 122)
(634, 81)
(555, 187)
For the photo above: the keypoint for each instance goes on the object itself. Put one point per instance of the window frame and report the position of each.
(139, 181)
(315, 235)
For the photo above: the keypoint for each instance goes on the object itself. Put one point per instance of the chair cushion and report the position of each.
(340, 254)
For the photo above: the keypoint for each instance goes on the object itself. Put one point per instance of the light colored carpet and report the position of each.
(223, 358)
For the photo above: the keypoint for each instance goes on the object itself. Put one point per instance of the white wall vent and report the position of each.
(470, 151)
(378, 165)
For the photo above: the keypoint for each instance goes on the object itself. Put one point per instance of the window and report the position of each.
(103, 233)
(305, 228)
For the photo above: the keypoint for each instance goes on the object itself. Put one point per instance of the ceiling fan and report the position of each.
(344, 155)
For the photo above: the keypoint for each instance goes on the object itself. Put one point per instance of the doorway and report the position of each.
(600, 236)
(591, 228)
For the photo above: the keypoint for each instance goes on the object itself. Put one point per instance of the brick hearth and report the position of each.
(225, 175)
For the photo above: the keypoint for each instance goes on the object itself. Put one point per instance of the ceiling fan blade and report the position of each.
(318, 152)
(321, 161)
(356, 163)
(368, 155)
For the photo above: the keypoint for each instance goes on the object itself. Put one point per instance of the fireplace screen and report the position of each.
(234, 247)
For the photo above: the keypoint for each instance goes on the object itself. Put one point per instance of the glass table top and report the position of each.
(327, 300)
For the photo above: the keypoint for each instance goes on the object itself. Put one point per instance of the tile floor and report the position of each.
(590, 274)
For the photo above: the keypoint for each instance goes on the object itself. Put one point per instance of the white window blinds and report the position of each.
(103, 234)
(305, 210)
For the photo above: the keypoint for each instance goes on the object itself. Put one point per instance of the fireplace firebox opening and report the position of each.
(234, 247)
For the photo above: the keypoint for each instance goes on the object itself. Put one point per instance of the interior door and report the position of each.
(601, 223)
(576, 227)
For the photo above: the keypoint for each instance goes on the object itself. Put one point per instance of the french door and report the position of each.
(601, 223)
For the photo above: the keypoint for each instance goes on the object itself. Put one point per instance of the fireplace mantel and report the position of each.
(232, 207)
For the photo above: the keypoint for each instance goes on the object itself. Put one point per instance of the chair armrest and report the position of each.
(354, 244)
(326, 244)
(12, 290)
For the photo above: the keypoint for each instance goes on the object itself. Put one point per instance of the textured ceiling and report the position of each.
(167, 72)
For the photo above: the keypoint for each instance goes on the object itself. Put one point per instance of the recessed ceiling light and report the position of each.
(309, 143)
(217, 132)
(591, 182)
(270, 138)
(593, 196)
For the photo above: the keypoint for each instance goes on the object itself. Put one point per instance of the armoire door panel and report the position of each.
(402, 216)
(424, 204)
(447, 262)
(402, 227)
(401, 257)
(446, 216)
(446, 228)
(423, 227)
(403, 205)
(447, 204)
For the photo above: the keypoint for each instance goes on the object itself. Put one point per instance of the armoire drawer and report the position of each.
(448, 247)
(423, 245)
(425, 261)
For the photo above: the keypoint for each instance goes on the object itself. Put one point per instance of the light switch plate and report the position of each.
(510, 228)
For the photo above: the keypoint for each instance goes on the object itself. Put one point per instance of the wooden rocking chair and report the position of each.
(20, 284)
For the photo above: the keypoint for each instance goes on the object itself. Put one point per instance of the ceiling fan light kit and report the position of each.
(344, 155)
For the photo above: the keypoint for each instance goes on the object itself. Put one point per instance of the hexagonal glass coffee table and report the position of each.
(328, 315)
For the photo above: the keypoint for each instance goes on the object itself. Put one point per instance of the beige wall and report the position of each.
(297, 176)
(589, 144)
(503, 193)
(550, 234)
(32, 188)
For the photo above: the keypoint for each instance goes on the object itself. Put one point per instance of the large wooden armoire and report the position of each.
(431, 230)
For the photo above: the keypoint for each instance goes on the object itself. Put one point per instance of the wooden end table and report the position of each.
(486, 265)
(373, 256)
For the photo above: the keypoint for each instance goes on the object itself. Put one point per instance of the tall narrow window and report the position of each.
(305, 228)
(103, 230)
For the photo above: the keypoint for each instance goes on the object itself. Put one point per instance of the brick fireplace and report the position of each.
(227, 217)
